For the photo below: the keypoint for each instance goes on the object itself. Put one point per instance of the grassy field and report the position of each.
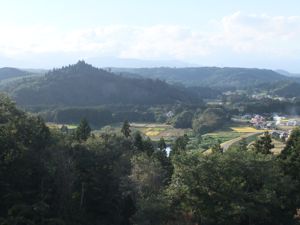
(210, 139)
(153, 130)
(245, 129)
(156, 131)
(58, 126)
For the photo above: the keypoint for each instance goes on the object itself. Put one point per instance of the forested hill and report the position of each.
(207, 76)
(9, 72)
(84, 85)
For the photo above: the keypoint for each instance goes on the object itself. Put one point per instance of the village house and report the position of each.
(169, 114)
(258, 121)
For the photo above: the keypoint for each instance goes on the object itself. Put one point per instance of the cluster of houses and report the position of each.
(260, 122)
(279, 134)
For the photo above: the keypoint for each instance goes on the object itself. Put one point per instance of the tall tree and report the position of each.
(264, 144)
(243, 145)
(162, 144)
(83, 131)
(217, 148)
(126, 129)
(290, 160)
(241, 188)
(138, 141)
(180, 144)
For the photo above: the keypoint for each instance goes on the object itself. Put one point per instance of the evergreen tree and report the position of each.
(138, 141)
(180, 144)
(217, 148)
(290, 161)
(264, 144)
(83, 131)
(162, 144)
(126, 129)
(148, 146)
(243, 145)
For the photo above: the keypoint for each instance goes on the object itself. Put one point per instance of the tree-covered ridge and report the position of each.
(208, 76)
(8, 72)
(84, 85)
(61, 178)
(287, 89)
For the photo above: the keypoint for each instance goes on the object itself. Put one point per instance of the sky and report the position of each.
(235, 33)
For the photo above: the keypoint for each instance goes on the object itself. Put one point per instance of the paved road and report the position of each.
(227, 144)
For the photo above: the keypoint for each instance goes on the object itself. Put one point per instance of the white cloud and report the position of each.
(240, 34)
(261, 34)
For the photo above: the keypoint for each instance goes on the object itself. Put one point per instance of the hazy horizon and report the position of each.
(42, 34)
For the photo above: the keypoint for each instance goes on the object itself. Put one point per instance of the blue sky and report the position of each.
(43, 33)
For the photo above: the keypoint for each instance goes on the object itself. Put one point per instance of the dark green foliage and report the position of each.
(232, 188)
(263, 144)
(183, 120)
(267, 105)
(217, 148)
(126, 129)
(243, 145)
(134, 116)
(148, 177)
(83, 131)
(162, 144)
(290, 159)
(209, 120)
(138, 141)
(50, 178)
(180, 145)
(208, 76)
(83, 85)
(287, 89)
(97, 117)
(8, 72)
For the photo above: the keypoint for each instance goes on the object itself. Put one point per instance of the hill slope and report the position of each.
(287, 89)
(84, 85)
(207, 76)
(9, 72)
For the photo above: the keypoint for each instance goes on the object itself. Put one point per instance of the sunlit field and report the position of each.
(156, 131)
(59, 126)
(245, 129)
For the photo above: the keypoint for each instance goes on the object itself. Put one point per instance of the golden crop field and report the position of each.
(245, 129)
(155, 131)
(58, 126)
(152, 133)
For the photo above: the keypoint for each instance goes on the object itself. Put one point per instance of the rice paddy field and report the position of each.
(155, 131)
(245, 129)
(58, 126)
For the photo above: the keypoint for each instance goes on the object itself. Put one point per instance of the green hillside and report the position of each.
(9, 72)
(207, 76)
(84, 85)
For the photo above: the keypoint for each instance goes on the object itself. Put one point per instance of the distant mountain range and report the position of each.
(215, 77)
(84, 85)
(286, 73)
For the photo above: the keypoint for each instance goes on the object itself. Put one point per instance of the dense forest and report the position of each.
(56, 178)
(215, 77)
(83, 85)
(8, 73)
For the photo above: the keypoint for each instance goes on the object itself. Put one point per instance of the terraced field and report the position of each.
(155, 130)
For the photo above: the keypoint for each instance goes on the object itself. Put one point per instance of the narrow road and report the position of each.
(227, 144)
